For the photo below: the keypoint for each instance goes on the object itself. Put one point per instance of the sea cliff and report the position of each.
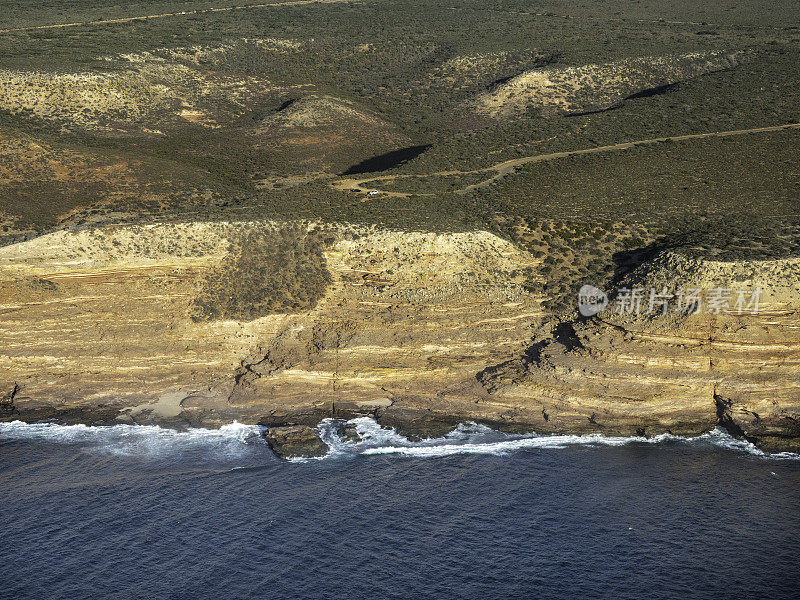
(198, 324)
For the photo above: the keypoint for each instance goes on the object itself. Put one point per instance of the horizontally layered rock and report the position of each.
(98, 325)
(286, 324)
(650, 373)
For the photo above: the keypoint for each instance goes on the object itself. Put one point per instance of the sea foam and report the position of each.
(237, 440)
(473, 438)
(230, 440)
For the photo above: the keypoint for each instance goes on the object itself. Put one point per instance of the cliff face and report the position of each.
(98, 325)
(683, 373)
(145, 324)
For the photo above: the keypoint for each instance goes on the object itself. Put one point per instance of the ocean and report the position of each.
(144, 512)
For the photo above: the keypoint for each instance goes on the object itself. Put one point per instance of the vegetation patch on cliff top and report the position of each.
(267, 271)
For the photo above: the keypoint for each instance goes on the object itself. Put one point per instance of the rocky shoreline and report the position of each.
(420, 331)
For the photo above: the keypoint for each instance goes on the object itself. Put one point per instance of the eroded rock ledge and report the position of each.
(649, 373)
(102, 325)
(419, 330)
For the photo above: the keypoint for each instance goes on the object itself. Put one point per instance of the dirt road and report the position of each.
(502, 169)
(198, 11)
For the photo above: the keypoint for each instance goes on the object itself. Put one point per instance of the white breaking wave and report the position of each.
(237, 440)
(472, 438)
(139, 440)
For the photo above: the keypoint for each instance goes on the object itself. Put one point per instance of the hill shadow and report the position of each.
(383, 162)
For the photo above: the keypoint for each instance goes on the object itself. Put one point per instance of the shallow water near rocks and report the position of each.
(141, 512)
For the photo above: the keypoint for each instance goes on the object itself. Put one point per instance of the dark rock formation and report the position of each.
(7, 408)
(296, 441)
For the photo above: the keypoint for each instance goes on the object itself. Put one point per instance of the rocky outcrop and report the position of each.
(652, 372)
(297, 441)
(7, 409)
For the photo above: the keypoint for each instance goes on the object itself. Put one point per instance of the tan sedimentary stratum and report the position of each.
(98, 323)
(420, 330)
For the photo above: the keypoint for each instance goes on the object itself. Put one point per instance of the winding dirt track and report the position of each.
(197, 11)
(502, 169)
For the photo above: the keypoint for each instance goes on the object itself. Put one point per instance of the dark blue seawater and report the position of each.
(143, 513)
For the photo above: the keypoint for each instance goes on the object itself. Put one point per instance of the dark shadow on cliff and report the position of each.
(626, 261)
